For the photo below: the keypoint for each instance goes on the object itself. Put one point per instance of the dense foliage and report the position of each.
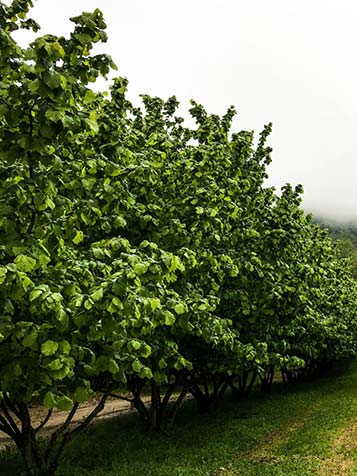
(138, 252)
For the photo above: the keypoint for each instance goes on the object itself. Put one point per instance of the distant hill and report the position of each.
(340, 231)
(345, 235)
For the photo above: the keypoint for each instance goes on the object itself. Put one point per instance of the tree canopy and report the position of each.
(138, 251)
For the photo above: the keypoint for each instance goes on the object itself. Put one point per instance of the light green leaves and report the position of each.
(50, 400)
(136, 366)
(38, 292)
(115, 305)
(78, 238)
(113, 367)
(25, 263)
(64, 403)
(65, 347)
(49, 347)
(3, 272)
(154, 303)
(179, 308)
(97, 295)
(140, 268)
(82, 394)
(169, 318)
(134, 345)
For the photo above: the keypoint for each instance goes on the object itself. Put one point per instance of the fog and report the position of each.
(290, 63)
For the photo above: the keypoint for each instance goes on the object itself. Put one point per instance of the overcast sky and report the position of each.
(291, 63)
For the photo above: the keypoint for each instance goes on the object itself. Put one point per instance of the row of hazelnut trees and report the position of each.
(139, 253)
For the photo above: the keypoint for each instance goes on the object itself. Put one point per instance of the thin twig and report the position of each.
(120, 397)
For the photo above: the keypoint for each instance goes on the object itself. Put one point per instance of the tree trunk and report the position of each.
(245, 384)
(267, 379)
(155, 406)
(203, 400)
(34, 458)
(41, 460)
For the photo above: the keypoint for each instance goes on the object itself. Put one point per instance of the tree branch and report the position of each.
(176, 406)
(90, 417)
(44, 421)
(6, 428)
(10, 420)
(120, 397)
(16, 411)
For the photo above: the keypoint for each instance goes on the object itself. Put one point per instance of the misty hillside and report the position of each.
(340, 231)
(345, 235)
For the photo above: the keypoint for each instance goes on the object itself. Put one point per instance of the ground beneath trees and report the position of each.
(307, 430)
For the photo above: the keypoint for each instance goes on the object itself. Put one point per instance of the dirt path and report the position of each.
(341, 462)
(266, 452)
(113, 407)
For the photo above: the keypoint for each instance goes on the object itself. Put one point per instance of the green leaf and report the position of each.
(65, 347)
(82, 394)
(134, 344)
(140, 268)
(52, 79)
(88, 304)
(118, 344)
(61, 373)
(78, 237)
(113, 367)
(25, 263)
(30, 339)
(17, 370)
(145, 351)
(179, 308)
(89, 96)
(97, 295)
(169, 318)
(49, 347)
(117, 303)
(162, 364)
(93, 125)
(64, 403)
(145, 372)
(50, 400)
(155, 303)
(136, 366)
(3, 272)
(55, 365)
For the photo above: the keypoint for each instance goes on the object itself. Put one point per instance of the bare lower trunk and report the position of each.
(242, 384)
(208, 396)
(159, 414)
(39, 459)
(155, 406)
(267, 379)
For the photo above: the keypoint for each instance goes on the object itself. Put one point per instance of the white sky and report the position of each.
(291, 63)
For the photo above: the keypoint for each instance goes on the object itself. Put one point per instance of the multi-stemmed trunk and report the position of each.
(41, 459)
(163, 405)
(208, 392)
(242, 384)
(266, 379)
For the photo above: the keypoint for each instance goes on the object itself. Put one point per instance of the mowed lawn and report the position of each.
(305, 430)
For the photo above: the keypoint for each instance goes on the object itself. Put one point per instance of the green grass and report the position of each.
(290, 432)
